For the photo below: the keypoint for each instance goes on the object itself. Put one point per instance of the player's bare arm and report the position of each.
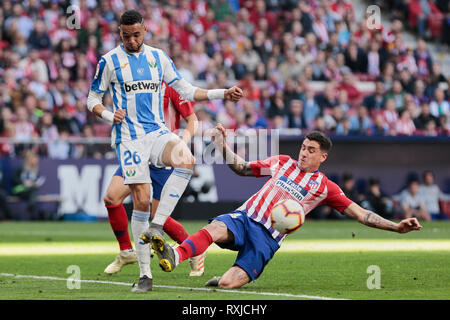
(234, 94)
(191, 126)
(234, 162)
(117, 117)
(373, 220)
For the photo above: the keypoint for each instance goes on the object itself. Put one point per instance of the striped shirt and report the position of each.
(135, 81)
(288, 181)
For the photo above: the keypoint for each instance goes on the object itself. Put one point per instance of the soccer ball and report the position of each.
(287, 216)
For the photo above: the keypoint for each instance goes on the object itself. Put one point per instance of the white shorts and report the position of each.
(135, 155)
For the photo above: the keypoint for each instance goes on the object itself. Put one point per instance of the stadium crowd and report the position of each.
(274, 49)
(421, 198)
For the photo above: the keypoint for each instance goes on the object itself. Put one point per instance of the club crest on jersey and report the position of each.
(130, 172)
(292, 187)
(140, 71)
(313, 184)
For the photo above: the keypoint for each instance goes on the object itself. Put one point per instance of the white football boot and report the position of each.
(123, 258)
(197, 264)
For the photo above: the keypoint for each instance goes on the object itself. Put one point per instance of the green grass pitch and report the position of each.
(322, 260)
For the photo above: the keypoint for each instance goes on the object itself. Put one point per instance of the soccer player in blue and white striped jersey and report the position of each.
(133, 73)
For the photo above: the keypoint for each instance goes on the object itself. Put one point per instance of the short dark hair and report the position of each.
(347, 176)
(130, 17)
(321, 138)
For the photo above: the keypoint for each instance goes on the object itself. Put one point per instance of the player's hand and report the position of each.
(234, 94)
(119, 115)
(408, 225)
(218, 134)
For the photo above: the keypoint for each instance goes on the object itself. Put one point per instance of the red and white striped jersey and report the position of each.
(174, 107)
(288, 181)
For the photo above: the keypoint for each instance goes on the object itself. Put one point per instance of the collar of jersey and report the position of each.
(301, 168)
(131, 54)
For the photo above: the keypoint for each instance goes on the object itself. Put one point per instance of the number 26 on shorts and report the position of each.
(130, 158)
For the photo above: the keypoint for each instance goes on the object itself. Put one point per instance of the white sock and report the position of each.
(139, 224)
(171, 193)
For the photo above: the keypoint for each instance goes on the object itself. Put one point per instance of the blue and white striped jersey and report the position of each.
(134, 81)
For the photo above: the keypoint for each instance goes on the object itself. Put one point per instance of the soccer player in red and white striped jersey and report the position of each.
(249, 229)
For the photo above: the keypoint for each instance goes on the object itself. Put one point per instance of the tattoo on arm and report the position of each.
(373, 220)
(236, 163)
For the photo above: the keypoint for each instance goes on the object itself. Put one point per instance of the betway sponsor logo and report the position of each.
(142, 86)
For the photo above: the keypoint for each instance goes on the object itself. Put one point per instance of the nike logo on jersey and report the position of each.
(121, 67)
(141, 86)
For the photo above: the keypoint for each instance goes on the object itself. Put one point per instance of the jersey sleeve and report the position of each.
(102, 77)
(184, 107)
(171, 73)
(336, 197)
(269, 166)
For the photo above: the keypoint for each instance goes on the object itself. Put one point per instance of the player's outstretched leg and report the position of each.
(178, 233)
(194, 245)
(177, 155)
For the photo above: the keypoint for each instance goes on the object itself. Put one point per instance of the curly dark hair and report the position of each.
(131, 17)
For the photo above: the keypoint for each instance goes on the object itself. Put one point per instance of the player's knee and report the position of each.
(187, 162)
(141, 204)
(110, 200)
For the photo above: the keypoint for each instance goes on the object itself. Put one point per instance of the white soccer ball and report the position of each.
(287, 216)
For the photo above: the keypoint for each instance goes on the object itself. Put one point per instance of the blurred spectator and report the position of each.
(39, 38)
(333, 118)
(424, 117)
(32, 63)
(380, 127)
(423, 58)
(387, 76)
(310, 108)
(391, 115)
(249, 57)
(327, 99)
(439, 105)
(277, 105)
(377, 201)
(356, 59)
(5, 213)
(376, 101)
(412, 203)
(420, 13)
(419, 92)
(397, 94)
(360, 123)
(60, 149)
(348, 84)
(432, 194)
(348, 187)
(295, 116)
(88, 149)
(26, 181)
(405, 125)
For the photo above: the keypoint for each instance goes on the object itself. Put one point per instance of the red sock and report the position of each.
(175, 230)
(119, 223)
(194, 245)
